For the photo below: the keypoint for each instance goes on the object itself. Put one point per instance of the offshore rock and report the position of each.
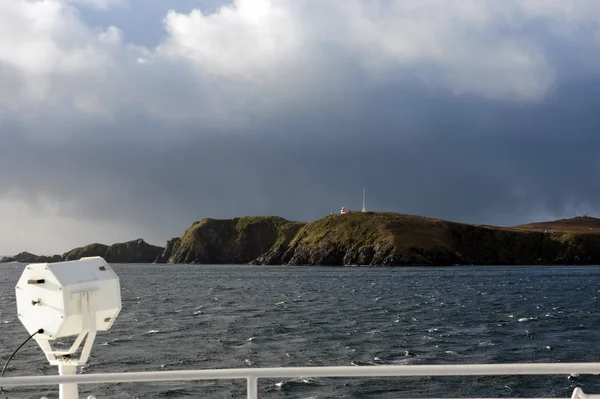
(83, 252)
(171, 247)
(27, 257)
(136, 251)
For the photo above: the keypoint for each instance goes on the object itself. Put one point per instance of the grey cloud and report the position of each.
(149, 144)
(463, 160)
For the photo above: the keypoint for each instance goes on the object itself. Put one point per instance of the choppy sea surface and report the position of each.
(194, 317)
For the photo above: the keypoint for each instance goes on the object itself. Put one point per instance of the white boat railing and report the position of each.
(252, 375)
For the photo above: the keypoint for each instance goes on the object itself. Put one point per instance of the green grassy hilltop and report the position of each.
(387, 239)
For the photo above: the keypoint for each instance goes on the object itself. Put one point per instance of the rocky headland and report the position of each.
(136, 251)
(234, 241)
(371, 238)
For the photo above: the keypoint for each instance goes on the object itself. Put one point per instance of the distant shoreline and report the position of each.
(357, 239)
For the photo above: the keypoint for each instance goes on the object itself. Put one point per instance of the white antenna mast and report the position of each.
(364, 207)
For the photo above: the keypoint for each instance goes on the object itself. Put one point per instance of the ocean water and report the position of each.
(193, 317)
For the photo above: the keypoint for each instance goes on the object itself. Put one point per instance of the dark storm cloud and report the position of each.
(462, 160)
(105, 137)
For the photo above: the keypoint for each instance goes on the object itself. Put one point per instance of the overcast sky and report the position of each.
(122, 119)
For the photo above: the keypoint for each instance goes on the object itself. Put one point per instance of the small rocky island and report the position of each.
(362, 238)
(136, 251)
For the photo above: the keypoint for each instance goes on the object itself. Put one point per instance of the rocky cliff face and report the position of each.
(170, 249)
(137, 251)
(381, 239)
(238, 240)
(84, 252)
(375, 239)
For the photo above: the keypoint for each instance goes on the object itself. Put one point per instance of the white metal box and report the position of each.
(48, 296)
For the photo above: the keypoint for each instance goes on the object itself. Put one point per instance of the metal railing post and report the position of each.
(252, 388)
(68, 391)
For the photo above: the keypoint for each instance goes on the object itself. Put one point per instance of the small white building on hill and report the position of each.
(344, 211)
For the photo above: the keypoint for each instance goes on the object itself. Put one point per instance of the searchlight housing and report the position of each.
(64, 299)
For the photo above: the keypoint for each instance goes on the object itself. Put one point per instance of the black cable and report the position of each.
(40, 331)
